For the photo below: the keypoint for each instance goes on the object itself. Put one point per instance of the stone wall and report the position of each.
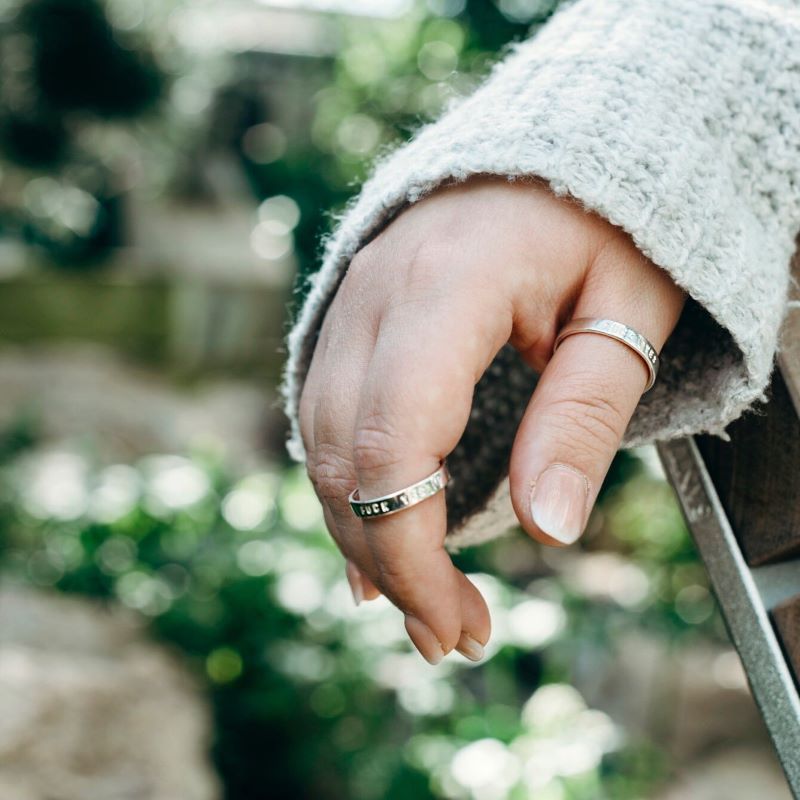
(92, 710)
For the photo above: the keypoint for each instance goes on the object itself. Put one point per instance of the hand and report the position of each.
(419, 316)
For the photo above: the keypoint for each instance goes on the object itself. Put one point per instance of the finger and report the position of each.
(327, 411)
(340, 368)
(476, 623)
(586, 396)
(360, 585)
(413, 410)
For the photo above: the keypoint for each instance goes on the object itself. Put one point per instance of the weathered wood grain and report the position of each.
(757, 477)
(789, 352)
(757, 473)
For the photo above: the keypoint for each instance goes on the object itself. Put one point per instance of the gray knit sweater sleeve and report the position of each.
(678, 121)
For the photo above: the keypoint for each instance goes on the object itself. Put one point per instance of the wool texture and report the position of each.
(678, 121)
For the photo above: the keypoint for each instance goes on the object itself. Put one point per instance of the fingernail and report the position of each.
(424, 640)
(558, 502)
(358, 591)
(469, 647)
(356, 586)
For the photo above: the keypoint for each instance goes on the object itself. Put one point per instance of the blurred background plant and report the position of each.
(167, 169)
(100, 99)
(238, 573)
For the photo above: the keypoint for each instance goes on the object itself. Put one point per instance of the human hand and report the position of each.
(420, 314)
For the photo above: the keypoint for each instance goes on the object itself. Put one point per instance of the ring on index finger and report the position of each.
(401, 499)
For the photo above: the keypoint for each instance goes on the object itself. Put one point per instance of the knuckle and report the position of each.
(363, 262)
(375, 447)
(592, 423)
(331, 474)
(428, 256)
(397, 584)
(424, 267)
(421, 283)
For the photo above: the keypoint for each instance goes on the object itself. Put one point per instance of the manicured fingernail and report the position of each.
(424, 640)
(558, 502)
(469, 647)
(356, 586)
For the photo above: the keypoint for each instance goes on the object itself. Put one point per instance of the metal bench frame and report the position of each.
(740, 539)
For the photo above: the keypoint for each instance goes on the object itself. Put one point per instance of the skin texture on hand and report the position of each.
(420, 314)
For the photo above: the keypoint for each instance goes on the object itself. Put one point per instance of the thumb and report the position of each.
(585, 398)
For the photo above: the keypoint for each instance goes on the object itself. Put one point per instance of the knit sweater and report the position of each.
(676, 120)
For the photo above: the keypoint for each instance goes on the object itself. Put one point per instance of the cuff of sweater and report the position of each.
(624, 106)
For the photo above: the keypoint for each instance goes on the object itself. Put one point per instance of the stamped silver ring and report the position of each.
(402, 499)
(620, 332)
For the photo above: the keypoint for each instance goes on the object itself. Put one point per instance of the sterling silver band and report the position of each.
(399, 501)
(620, 332)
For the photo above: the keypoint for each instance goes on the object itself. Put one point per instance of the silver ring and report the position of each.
(620, 332)
(401, 500)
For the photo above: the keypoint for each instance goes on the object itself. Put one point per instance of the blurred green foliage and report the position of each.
(315, 698)
(63, 66)
(388, 79)
(86, 85)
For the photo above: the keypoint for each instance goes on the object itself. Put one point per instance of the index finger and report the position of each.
(414, 407)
